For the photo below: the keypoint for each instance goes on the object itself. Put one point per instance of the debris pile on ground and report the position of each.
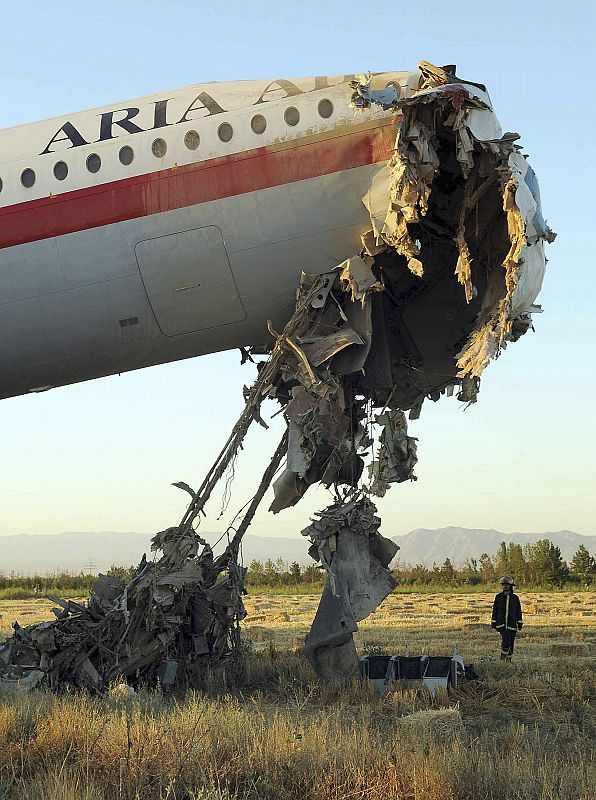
(177, 615)
(447, 275)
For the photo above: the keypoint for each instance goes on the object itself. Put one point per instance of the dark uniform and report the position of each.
(507, 619)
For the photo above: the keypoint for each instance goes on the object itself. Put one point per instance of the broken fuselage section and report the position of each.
(447, 276)
(457, 236)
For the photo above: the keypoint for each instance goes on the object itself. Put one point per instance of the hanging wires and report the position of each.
(257, 393)
(227, 492)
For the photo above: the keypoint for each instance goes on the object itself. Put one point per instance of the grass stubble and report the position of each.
(527, 730)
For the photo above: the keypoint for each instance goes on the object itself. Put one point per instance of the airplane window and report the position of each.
(126, 155)
(292, 116)
(60, 170)
(258, 123)
(27, 178)
(225, 132)
(192, 140)
(159, 148)
(325, 108)
(93, 163)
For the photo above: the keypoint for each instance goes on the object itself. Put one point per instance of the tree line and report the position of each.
(538, 565)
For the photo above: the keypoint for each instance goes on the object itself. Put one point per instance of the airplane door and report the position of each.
(188, 280)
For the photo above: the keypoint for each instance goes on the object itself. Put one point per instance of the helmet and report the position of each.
(507, 580)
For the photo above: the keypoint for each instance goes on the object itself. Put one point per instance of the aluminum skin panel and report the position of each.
(188, 281)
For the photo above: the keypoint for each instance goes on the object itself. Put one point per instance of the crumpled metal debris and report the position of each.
(326, 434)
(456, 191)
(346, 541)
(396, 457)
(176, 618)
(447, 275)
(365, 96)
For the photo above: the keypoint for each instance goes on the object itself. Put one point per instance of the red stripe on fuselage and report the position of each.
(192, 184)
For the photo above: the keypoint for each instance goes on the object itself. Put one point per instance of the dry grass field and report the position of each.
(525, 731)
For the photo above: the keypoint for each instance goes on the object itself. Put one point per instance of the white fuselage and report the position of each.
(192, 231)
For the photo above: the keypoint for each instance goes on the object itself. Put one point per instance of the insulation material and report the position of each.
(357, 277)
(326, 347)
(463, 268)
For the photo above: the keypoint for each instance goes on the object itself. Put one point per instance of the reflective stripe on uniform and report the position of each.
(507, 626)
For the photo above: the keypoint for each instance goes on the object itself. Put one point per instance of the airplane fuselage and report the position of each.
(178, 224)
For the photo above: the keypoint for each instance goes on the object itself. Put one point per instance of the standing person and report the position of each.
(507, 616)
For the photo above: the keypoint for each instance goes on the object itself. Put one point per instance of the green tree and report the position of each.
(312, 574)
(271, 573)
(487, 568)
(421, 574)
(545, 563)
(126, 573)
(471, 573)
(295, 572)
(255, 575)
(447, 572)
(583, 564)
(502, 560)
(517, 563)
(281, 565)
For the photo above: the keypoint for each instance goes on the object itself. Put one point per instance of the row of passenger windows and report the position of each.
(159, 147)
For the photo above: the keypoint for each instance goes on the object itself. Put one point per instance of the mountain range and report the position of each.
(425, 546)
(97, 552)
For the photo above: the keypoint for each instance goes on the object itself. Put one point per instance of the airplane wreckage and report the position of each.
(446, 278)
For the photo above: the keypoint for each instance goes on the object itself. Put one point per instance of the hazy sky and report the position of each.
(102, 455)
